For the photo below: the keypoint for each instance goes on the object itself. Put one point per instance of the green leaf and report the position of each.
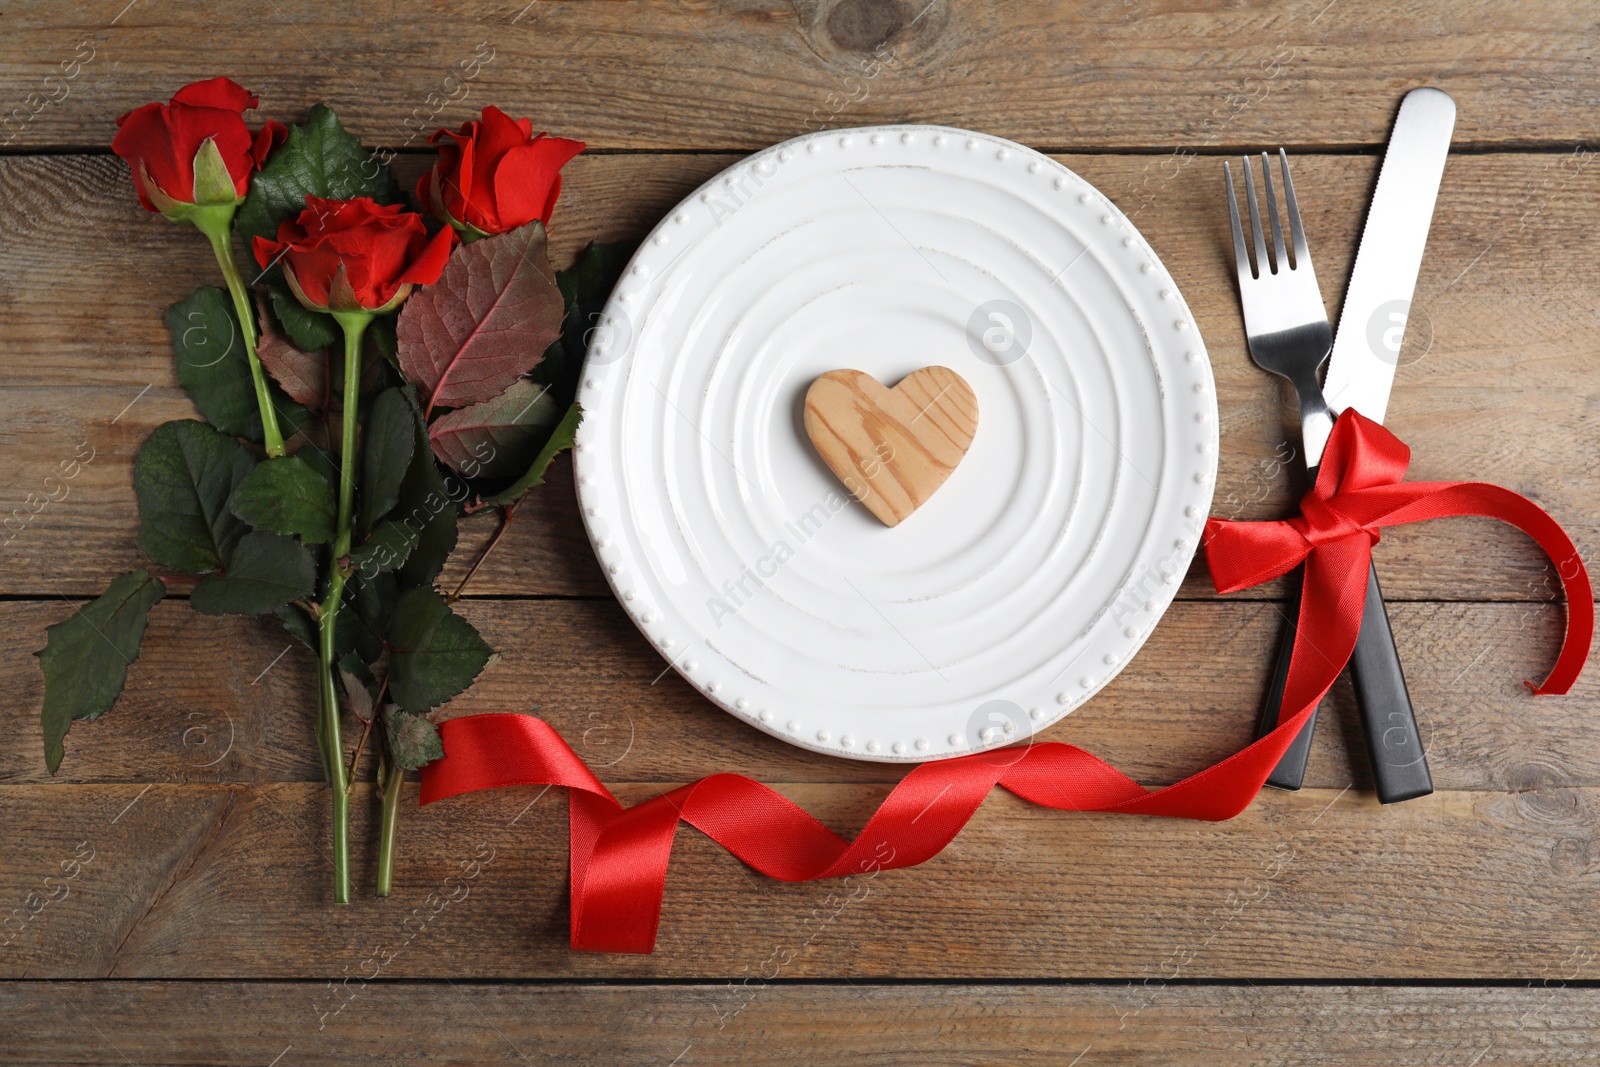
(560, 438)
(286, 496)
(428, 506)
(307, 330)
(352, 636)
(387, 445)
(374, 598)
(380, 338)
(85, 659)
(497, 438)
(585, 288)
(265, 572)
(320, 158)
(322, 460)
(434, 653)
(183, 477)
(297, 621)
(592, 276)
(413, 739)
(360, 688)
(386, 550)
(214, 369)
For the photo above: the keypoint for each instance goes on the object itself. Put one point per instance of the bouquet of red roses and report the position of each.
(371, 383)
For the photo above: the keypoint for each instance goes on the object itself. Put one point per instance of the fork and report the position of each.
(1287, 329)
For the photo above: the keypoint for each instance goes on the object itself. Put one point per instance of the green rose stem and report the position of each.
(391, 776)
(354, 324)
(216, 222)
(331, 749)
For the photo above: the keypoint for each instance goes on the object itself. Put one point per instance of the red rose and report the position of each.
(166, 146)
(496, 175)
(347, 255)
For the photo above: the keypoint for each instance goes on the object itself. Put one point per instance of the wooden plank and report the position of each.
(233, 881)
(1188, 700)
(1495, 384)
(698, 75)
(771, 1023)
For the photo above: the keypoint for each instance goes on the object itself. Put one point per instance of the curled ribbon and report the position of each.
(619, 855)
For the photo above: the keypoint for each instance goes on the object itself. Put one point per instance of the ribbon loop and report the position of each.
(620, 856)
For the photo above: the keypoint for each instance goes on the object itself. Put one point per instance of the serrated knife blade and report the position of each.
(1377, 303)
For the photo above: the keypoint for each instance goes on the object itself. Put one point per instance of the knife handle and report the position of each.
(1399, 765)
(1394, 745)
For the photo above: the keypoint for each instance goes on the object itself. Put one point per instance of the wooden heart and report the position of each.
(892, 448)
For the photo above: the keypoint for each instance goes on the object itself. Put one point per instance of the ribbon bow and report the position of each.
(1358, 491)
(619, 855)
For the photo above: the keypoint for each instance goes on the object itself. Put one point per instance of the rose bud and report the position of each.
(195, 151)
(355, 255)
(495, 175)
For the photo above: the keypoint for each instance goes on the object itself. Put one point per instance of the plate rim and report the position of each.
(1197, 511)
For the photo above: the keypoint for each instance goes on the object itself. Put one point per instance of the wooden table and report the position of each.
(1315, 928)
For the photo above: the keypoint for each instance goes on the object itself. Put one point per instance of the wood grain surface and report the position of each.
(236, 715)
(232, 881)
(758, 1022)
(164, 898)
(743, 74)
(891, 448)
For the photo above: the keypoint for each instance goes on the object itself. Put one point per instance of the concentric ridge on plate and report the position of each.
(643, 289)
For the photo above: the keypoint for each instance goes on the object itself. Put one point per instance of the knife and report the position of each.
(1366, 347)
(1361, 368)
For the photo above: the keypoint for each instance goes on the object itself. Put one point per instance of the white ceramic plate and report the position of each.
(1036, 571)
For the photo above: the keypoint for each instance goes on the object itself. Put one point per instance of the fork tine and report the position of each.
(1302, 255)
(1262, 267)
(1241, 254)
(1280, 259)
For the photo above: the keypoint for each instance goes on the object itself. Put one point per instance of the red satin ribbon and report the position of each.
(620, 855)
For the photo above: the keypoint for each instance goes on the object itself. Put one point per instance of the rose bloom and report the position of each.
(495, 175)
(161, 143)
(349, 255)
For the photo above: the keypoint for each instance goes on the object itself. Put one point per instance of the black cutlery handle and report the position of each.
(1399, 765)
(1394, 745)
(1291, 769)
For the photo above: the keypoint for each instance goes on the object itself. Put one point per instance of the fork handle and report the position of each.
(1291, 769)
(1394, 745)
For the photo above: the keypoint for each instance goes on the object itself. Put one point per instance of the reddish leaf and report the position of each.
(301, 374)
(498, 437)
(485, 324)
